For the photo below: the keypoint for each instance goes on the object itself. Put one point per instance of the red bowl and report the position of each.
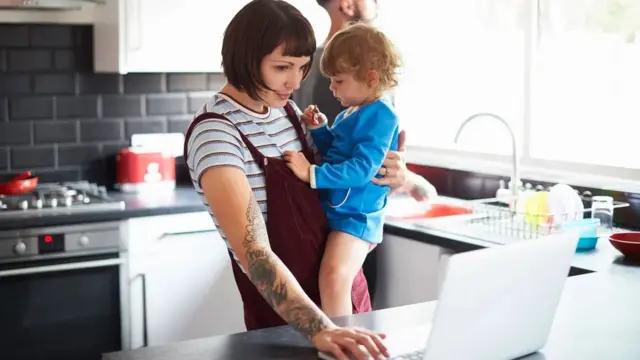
(628, 243)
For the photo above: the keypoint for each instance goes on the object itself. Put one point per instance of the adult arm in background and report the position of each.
(400, 179)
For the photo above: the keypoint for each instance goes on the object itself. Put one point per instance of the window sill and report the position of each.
(593, 176)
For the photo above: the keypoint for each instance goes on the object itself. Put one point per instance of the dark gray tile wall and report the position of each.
(64, 122)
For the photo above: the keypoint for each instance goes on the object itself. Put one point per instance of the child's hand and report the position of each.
(298, 163)
(312, 116)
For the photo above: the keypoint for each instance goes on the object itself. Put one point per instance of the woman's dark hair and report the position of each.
(254, 32)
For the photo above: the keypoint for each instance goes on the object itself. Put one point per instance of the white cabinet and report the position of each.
(408, 271)
(181, 282)
(161, 35)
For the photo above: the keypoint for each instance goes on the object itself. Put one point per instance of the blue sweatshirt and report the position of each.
(353, 151)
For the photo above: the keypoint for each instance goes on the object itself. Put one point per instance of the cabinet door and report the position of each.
(162, 36)
(189, 289)
(407, 272)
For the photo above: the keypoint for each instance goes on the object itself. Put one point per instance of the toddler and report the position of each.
(362, 64)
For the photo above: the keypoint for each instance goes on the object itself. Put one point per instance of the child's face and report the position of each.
(349, 91)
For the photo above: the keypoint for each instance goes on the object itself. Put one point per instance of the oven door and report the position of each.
(65, 308)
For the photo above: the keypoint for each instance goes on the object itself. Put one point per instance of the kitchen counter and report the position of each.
(183, 200)
(597, 317)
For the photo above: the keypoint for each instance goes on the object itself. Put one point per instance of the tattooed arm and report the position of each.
(234, 205)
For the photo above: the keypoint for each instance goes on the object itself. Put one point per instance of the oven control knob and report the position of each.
(20, 248)
(84, 240)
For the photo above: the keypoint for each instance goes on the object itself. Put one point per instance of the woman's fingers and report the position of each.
(377, 339)
(338, 353)
(356, 350)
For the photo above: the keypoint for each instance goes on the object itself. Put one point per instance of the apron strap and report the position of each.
(257, 155)
(295, 121)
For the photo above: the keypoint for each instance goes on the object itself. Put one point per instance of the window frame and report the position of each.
(531, 168)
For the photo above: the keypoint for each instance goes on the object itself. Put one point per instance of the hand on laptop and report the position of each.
(342, 342)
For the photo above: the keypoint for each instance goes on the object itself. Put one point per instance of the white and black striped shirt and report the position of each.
(216, 142)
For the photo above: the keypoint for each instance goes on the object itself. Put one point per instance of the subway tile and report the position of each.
(186, 82)
(121, 105)
(64, 60)
(15, 133)
(166, 104)
(4, 159)
(54, 36)
(12, 35)
(32, 157)
(85, 106)
(196, 100)
(29, 60)
(55, 132)
(179, 124)
(62, 175)
(78, 154)
(54, 83)
(13, 84)
(101, 130)
(144, 83)
(145, 126)
(99, 84)
(40, 107)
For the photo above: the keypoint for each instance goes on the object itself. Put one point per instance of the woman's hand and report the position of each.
(298, 163)
(361, 344)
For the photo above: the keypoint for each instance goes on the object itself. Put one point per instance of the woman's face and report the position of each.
(283, 74)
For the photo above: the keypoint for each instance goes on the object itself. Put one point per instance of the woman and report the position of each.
(273, 223)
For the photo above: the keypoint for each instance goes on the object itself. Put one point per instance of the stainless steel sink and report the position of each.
(490, 221)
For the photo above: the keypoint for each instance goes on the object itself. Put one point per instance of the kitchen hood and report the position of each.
(46, 4)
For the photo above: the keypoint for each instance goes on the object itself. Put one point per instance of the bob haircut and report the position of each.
(255, 32)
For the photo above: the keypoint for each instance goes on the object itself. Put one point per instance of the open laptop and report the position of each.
(496, 303)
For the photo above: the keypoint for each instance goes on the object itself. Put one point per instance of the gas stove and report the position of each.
(59, 198)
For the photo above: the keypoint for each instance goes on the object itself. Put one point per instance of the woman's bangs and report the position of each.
(299, 39)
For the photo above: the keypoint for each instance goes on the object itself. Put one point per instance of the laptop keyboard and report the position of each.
(416, 355)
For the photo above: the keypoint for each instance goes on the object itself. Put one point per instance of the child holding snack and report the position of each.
(362, 64)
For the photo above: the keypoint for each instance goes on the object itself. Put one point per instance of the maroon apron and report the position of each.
(297, 229)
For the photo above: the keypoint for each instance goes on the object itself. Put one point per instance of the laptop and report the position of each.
(496, 303)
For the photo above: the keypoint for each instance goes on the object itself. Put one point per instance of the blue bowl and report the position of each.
(588, 229)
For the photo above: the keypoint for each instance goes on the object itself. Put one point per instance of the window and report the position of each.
(565, 74)
(461, 57)
(586, 98)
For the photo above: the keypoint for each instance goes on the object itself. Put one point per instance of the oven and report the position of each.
(63, 292)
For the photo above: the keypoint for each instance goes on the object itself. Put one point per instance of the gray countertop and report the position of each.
(597, 319)
(598, 316)
(183, 200)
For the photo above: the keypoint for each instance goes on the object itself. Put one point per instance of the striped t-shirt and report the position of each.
(216, 142)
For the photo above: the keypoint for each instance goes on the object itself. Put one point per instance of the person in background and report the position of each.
(316, 90)
(362, 64)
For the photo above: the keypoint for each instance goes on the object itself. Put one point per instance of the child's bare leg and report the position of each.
(343, 257)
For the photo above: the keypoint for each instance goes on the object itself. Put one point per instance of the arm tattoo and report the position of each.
(263, 271)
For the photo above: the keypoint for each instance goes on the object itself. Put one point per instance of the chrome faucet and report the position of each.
(515, 175)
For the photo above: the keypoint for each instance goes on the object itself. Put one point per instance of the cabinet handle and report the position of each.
(187, 232)
(145, 337)
(133, 16)
(61, 267)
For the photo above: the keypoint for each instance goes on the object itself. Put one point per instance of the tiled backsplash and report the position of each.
(59, 119)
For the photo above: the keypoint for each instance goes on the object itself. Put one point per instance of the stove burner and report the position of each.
(59, 197)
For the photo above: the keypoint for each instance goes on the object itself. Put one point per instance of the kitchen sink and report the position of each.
(487, 220)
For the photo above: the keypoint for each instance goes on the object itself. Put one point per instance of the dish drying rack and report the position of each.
(495, 216)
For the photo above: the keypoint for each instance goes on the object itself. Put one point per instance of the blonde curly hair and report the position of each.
(358, 48)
